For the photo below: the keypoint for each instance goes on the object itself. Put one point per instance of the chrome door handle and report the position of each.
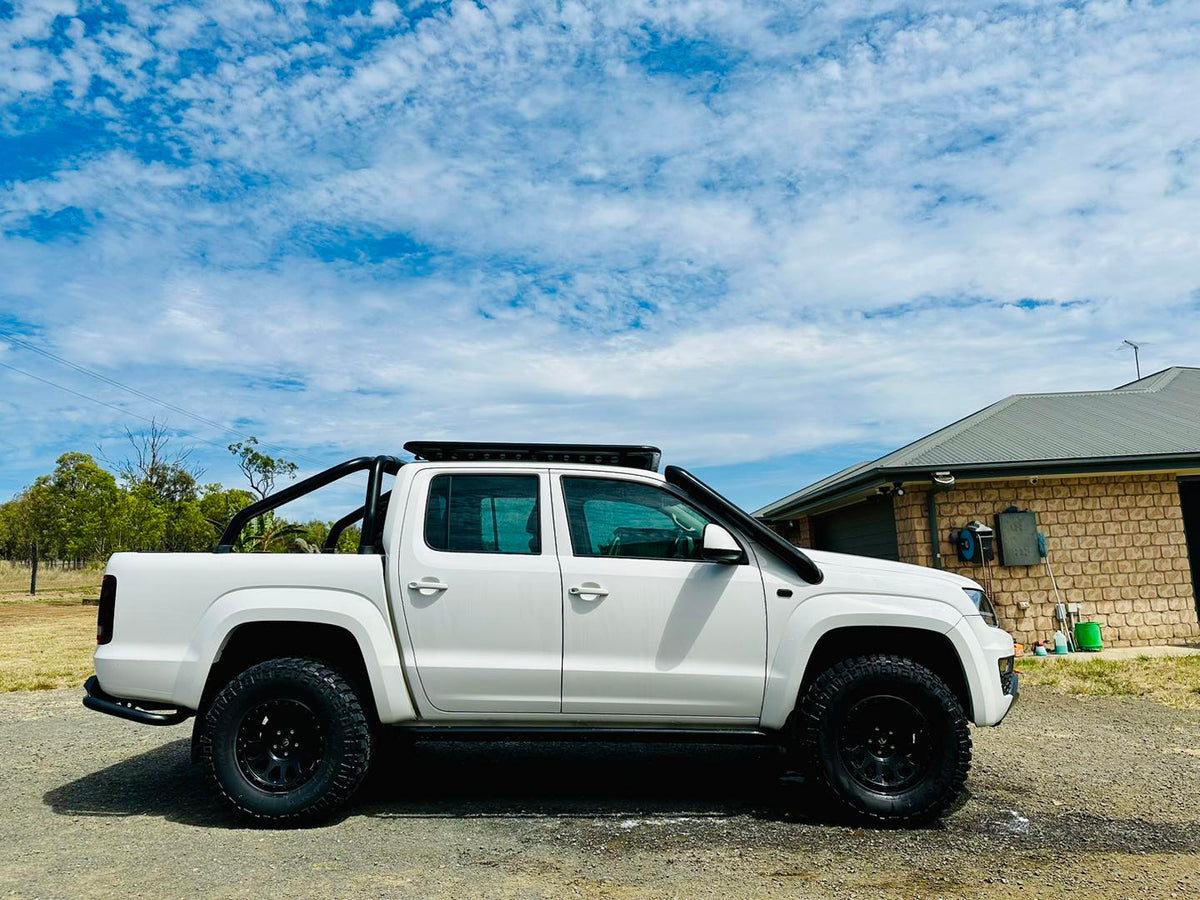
(428, 586)
(589, 592)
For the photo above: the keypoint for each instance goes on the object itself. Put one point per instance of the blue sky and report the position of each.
(773, 238)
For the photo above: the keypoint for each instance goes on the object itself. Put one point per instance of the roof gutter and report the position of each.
(872, 479)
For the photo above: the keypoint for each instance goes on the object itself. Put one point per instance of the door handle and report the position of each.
(588, 592)
(427, 586)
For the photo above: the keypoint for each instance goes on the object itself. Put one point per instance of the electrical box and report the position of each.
(1017, 535)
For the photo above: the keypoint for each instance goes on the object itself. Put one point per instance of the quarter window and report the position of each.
(631, 519)
(483, 514)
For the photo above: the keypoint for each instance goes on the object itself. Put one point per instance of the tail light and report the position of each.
(108, 606)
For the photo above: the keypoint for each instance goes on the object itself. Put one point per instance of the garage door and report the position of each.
(864, 529)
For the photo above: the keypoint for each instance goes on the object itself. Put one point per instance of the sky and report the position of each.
(773, 239)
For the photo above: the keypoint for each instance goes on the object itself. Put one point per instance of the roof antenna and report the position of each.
(1137, 363)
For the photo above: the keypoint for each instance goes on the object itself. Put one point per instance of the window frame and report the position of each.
(662, 486)
(536, 477)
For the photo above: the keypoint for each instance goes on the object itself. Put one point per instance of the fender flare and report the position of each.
(348, 610)
(817, 616)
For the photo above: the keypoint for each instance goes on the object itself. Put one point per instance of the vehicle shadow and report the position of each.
(582, 780)
(160, 782)
(571, 780)
(449, 779)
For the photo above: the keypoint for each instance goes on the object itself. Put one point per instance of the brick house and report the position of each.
(1112, 479)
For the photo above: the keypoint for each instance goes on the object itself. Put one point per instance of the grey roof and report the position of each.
(1154, 417)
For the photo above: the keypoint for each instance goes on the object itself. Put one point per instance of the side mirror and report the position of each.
(719, 546)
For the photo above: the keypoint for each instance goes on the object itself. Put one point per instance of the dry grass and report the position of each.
(45, 644)
(53, 582)
(1170, 680)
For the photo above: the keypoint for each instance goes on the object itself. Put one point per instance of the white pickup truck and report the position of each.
(542, 589)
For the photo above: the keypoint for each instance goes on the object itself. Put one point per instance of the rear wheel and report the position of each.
(286, 741)
(887, 738)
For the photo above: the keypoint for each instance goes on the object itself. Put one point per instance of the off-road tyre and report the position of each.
(261, 772)
(886, 738)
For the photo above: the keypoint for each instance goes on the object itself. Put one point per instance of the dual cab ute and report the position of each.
(526, 589)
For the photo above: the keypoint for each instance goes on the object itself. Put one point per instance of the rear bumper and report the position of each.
(99, 701)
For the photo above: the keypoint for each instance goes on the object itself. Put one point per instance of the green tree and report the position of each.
(188, 529)
(75, 507)
(81, 512)
(316, 531)
(219, 505)
(28, 525)
(260, 469)
(9, 537)
(143, 521)
(269, 533)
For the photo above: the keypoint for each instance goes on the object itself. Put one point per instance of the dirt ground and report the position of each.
(1079, 798)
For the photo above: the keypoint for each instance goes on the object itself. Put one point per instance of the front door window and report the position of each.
(631, 520)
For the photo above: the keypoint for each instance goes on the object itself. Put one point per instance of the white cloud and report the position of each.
(740, 230)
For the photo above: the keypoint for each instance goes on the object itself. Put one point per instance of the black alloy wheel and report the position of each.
(279, 745)
(884, 743)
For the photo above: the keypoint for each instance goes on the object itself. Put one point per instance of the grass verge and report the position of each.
(45, 644)
(53, 582)
(1170, 680)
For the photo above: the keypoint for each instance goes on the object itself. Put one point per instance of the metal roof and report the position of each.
(1156, 417)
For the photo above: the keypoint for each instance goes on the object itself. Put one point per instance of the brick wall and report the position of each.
(1116, 545)
(798, 530)
(912, 526)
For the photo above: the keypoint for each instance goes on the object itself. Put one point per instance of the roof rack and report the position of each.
(631, 457)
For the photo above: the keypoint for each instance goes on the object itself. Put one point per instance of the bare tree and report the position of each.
(170, 474)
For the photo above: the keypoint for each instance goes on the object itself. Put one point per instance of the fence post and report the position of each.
(33, 572)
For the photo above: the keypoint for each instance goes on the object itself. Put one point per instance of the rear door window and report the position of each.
(471, 513)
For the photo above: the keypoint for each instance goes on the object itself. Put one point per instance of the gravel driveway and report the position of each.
(1085, 798)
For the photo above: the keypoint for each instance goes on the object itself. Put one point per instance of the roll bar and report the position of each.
(371, 510)
(349, 519)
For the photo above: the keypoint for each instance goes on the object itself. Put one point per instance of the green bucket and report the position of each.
(1087, 636)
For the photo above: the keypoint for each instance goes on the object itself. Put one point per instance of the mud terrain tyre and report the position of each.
(887, 738)
(286, 742)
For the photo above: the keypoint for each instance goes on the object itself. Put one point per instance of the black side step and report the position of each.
(99, 701)
(586, 733)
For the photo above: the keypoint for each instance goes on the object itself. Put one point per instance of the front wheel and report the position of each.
(887, 738)
(286, 741)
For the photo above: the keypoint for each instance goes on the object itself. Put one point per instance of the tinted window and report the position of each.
(630, 519)
(483, 514)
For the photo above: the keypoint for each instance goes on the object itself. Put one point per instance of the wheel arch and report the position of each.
(347, 630)
(251, 643)
(931, 649)
(824, 629)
